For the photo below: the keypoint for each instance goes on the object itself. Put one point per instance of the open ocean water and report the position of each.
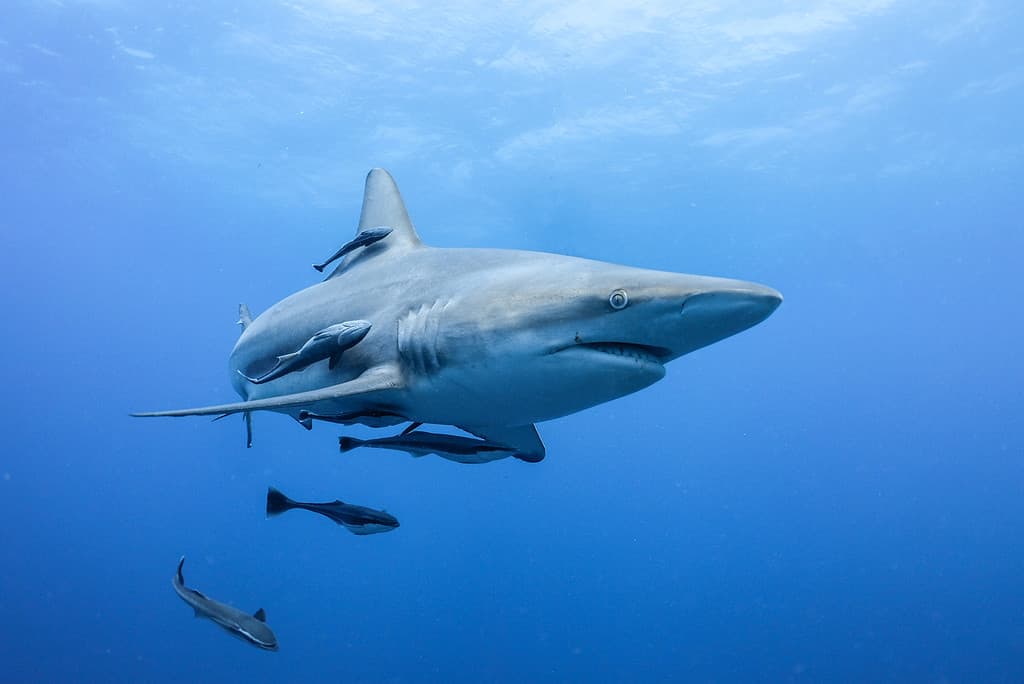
(836, 495)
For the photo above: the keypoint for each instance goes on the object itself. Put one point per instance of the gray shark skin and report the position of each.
(328, 343)
(489, 340)
(358, 520)
(250, 628)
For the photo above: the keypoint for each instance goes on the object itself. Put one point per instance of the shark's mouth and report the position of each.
(639, 352)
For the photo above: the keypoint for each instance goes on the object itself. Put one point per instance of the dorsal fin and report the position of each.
(260, 615)
(244, 317)
(383, 206)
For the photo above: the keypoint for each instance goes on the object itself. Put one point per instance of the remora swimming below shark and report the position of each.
(251, 628)
(358, 520)
(488, 340)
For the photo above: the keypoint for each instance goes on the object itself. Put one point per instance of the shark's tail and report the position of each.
(277, 502)
(180, 577)
(349, 443)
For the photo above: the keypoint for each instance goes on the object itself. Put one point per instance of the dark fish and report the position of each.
(251, 628)
(364, 239)
(358, 519)
(451, 447)
(372, 418)
(329, 343)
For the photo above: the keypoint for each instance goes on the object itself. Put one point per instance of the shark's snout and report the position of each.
(751, 302)
(713, 315)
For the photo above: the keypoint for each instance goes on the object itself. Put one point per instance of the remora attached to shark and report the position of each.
(488, 340)
(251, 628)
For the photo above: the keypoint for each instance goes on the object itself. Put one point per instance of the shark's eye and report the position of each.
(618, 299)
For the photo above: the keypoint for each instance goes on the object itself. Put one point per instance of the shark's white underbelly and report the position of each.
(511, 392)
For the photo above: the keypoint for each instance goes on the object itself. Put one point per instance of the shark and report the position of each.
(251, 628)
(489, 341)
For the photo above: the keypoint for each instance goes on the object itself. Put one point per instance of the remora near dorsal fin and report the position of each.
(260, 615)
(383, 206)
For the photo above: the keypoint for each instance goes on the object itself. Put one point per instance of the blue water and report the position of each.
(834, 495)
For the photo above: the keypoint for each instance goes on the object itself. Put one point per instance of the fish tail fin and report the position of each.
(254, 381)
(180, 576)
(349, 443)
(277, 502)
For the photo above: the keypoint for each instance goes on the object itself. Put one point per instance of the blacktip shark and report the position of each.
(491, 341)
(356, 519)
(251, 628)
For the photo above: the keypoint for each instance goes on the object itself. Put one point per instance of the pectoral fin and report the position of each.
(373, 380)
(523, 438)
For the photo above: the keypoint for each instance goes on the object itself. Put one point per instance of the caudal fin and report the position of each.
(181, 577)
(349, 443)
(277, 502)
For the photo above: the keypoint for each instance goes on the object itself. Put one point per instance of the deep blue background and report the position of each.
(834, 495)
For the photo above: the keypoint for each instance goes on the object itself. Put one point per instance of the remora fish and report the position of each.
(252, 628)
(491, 341)
(364, 239)
(451, 447)
(357, 519)
(328, 343)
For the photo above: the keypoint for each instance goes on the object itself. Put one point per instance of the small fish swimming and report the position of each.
(329, 343)
(357, 519)
(251, 628)
(451, 447)
(364, 239)
(373, 418)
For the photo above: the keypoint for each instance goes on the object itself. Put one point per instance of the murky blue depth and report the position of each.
(834, 495)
